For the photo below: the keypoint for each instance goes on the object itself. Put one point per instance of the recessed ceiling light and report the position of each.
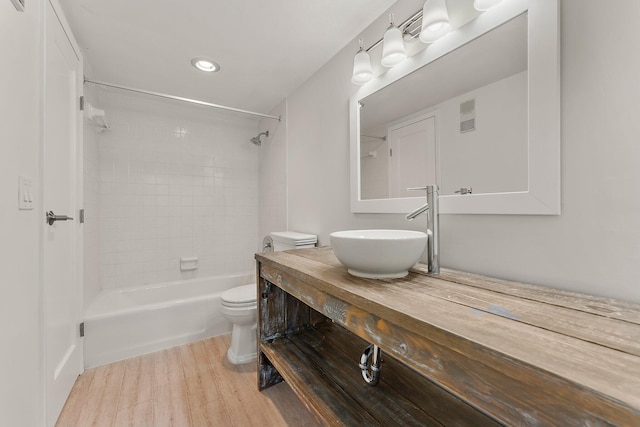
(205, 65)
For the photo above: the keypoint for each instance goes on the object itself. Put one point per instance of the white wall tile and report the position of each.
(166, 175)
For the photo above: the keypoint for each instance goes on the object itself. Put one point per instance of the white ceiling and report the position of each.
(266, 49)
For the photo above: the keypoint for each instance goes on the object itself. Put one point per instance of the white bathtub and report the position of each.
(122, 323)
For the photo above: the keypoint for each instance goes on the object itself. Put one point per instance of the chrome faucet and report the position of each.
(433, 226)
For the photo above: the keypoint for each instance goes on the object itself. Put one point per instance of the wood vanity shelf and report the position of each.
(458, 348)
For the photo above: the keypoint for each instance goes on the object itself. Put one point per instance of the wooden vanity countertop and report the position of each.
(557, 345)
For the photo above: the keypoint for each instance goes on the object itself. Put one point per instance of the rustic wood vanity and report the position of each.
(457, 348)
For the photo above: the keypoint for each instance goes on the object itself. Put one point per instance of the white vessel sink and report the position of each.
(378, 254)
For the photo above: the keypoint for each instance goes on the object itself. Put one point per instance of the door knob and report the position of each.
(51, 218)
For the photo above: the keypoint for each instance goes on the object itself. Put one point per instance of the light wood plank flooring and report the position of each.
(192, 385)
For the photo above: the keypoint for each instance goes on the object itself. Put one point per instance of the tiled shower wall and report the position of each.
(175, 181)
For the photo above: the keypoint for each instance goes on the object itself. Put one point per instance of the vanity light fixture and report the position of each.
(435, 25)
(435, 21)
(206, 65)
(484, 5)
(392, 45)
(362, 71)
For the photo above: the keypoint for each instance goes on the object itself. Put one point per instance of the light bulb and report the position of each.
(484, 5)
(392, 46)
(205, 65)
(435, 21)
(362, 71)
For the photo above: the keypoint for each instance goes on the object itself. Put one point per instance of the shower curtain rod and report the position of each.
(179, 98)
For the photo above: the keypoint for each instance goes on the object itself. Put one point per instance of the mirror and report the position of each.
(490, 123)
(478, 112)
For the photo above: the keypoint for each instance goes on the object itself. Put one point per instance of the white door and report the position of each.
(412, 156)
(62, 301)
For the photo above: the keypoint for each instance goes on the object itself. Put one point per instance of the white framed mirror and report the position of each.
(494, 129)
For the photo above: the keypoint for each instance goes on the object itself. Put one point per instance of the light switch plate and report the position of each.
(25, 193)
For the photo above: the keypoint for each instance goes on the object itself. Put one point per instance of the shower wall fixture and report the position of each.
(256, 139)
(96, 117)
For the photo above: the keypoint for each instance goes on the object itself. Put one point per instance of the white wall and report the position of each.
(493, 157)
(175, 181)
(318, 145)
(593, 247)
(273, 173)
(20, 108)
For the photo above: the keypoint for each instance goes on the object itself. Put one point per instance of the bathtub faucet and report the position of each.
(433, 225)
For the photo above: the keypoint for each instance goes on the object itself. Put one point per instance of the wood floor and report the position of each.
(192, 385)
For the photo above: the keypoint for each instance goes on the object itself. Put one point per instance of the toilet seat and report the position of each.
(240, 296)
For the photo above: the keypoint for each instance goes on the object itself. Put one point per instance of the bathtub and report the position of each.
(122, 323)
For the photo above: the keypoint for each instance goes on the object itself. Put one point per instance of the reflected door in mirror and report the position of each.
(404, 157)
(412, 156)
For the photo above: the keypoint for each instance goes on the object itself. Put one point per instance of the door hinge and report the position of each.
(82, 103)
(81, 216)
(81, 329)
(390, 152)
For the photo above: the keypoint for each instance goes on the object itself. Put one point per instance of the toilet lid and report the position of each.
(245, 294)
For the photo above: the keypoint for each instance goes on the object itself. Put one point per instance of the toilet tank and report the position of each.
(285, 240)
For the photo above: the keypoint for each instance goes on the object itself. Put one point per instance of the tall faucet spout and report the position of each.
(433, 226)
(422, 209)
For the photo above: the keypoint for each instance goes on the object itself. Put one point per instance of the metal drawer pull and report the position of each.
(51, 217)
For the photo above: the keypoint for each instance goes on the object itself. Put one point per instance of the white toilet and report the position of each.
(239, 305)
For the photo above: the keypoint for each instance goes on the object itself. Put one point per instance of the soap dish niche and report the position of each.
(190, 263)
